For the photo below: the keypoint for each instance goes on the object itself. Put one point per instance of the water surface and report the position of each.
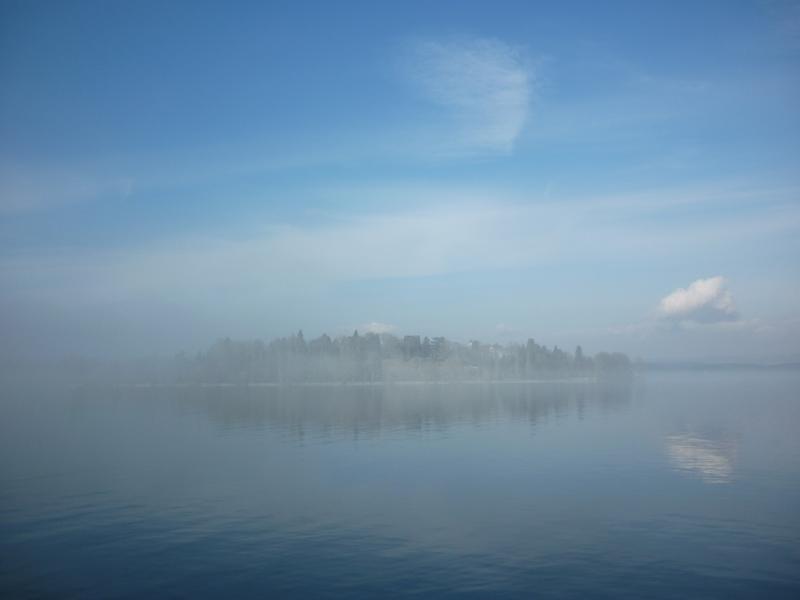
(672, 486)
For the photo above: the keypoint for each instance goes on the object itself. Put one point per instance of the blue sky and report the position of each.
(622, 175)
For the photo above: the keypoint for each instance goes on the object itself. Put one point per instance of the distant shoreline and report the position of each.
(272, 384)
(693, 366)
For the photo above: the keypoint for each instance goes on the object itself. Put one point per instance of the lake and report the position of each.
(673, 485)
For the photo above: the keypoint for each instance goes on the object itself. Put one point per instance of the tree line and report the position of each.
(372, 357)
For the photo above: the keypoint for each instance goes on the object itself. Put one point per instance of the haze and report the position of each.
(623, 179)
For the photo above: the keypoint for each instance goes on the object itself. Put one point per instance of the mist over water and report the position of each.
(668, 485)
(353, 299)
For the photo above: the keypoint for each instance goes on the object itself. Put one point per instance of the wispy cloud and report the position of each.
(24, 189)
(484, 85)
(704, 301)
(483, 232)
(419, 243)
(279, 273)
(481, 87)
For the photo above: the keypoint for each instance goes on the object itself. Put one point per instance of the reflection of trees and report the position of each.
(614, 394)
(343, 410)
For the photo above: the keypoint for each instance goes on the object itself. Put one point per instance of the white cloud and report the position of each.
(704, 301)
(273, 274)
(377, 327)
(484, 84)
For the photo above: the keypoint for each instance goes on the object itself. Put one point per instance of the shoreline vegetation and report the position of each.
(358, 359)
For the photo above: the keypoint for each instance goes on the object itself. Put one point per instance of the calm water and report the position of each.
(675, 486)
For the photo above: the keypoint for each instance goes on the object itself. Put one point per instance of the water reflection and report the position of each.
(505, 490)
(710, 460)
(369, 411)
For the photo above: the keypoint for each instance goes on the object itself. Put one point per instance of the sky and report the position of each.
(621, 175)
